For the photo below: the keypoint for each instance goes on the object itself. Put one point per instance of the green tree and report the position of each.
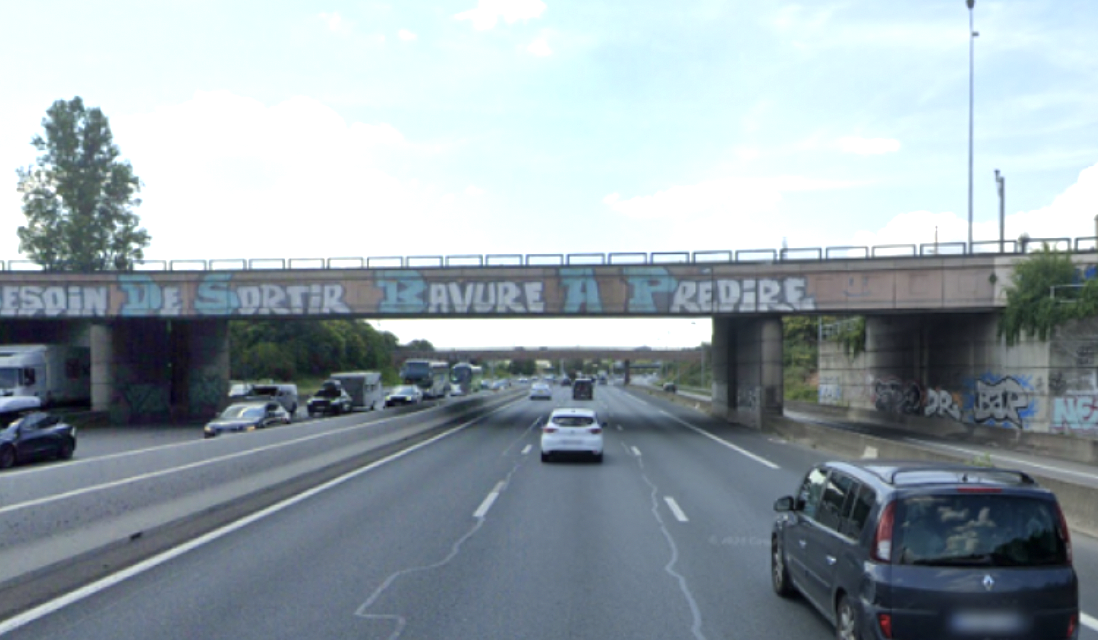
(419, 345)
(79, 197)
(1039, 300)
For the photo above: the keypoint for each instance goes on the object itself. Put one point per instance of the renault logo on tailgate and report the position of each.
(989, 582)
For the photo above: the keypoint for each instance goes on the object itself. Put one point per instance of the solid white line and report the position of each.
(42, 610)
(192, 465)
(636, 452)
(482, 510)
(526, 449)
(1017, 461)
(1089, 621)
(756, 458)
(675, 509)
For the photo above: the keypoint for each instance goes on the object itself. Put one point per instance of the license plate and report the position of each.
(979, 622)
(573, 443)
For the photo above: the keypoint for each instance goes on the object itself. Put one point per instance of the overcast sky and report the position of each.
(343, 128)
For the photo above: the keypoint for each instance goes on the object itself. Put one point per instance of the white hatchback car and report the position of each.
(576, 431)
(541, 391)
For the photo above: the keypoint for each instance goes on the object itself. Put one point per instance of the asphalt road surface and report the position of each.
(470, 536)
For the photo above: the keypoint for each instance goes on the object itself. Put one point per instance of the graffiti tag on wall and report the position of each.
(55, 301)
(830, 390)
(942, 404)
(893, 395)
(1075, 413)
(1004, 401)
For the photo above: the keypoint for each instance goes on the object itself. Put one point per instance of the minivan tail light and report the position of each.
(1072, 624)
(885, 622)
(1065, 533)
(882, 541)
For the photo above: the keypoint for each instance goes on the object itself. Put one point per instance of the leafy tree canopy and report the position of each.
(1046, 292)
(79, 197)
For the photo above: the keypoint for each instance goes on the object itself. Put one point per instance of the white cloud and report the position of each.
(488, 12)
(540, 47)
(334, 21)
(474, 191)
(406, 35)
(717, 197)
(1069, 215)
(231, 177)
(867, 146)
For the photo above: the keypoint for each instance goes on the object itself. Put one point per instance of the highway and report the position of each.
(469, 535)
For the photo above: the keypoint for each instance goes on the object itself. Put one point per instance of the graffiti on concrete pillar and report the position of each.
(206, 392)
(54, 301)
(747, 398)
(741, 295)
(830, 390)
(893, 395)
(942, 404)
(1003, 400)
(1076, 413)
(142, 402)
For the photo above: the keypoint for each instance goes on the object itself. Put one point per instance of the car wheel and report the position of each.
(67, 447)
(544, 456)
(7, 458)
(846, 622)
(598, 458)
(779, 572)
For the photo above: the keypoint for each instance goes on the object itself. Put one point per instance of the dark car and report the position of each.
(35, 436)
(583, 389)
(330, 399)
(400, 396)
(247, 416)
(670, 387)
(927, 550)
(565, 381)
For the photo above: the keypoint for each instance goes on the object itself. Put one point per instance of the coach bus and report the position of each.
(432, 378)
(465, 379)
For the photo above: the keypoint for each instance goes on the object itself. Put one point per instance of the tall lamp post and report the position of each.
(1000, 182)
(971, 51)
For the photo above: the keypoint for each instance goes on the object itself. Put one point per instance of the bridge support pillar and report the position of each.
(747, 369)
(200, 368)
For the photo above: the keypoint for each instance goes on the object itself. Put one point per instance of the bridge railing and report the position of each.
(1082, 245)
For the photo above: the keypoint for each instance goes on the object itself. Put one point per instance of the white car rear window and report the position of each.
(573, 421)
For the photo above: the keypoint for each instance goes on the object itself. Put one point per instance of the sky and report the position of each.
(451, 127)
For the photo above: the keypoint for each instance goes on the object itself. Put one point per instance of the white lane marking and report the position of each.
(191, 465)
(197, 442)
(636, 451)
(1018, 461)
(675, 509)
(1089, 621)
(761, 460)
(635, 399)
(42, 610)
(526, 449)
(482, 510)
(522, 436)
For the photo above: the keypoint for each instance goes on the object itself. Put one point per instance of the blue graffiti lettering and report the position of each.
(581, 291)
(645, 283)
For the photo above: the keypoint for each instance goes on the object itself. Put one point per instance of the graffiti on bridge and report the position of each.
(830, 390)
(55, 301)
(1003, 401)
(893, 395)
(942, 404)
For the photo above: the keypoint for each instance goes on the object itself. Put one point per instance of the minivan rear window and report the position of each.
(995, 529)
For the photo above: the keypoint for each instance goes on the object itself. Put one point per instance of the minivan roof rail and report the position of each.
(967, 473)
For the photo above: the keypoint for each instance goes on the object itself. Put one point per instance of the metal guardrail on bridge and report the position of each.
(744, 256)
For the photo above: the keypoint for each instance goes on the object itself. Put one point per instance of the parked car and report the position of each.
(927, 550)
(670, 387)
(330, 399)
(246, 416)
(540, 391)
(572, 431)
(400, 396)
(35, 436)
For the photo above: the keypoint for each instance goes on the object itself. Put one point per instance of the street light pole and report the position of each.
(1000, 182)
(971, 53)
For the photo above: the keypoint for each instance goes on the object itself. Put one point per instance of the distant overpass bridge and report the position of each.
(554, 354)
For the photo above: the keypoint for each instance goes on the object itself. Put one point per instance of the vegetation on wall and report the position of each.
(1046, 292)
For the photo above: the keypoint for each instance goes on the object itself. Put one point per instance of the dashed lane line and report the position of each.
(675, 509)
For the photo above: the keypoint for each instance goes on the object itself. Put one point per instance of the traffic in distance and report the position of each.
(867, 549)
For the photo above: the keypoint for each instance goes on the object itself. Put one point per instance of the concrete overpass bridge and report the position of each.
(555, 353)
(159, 334)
